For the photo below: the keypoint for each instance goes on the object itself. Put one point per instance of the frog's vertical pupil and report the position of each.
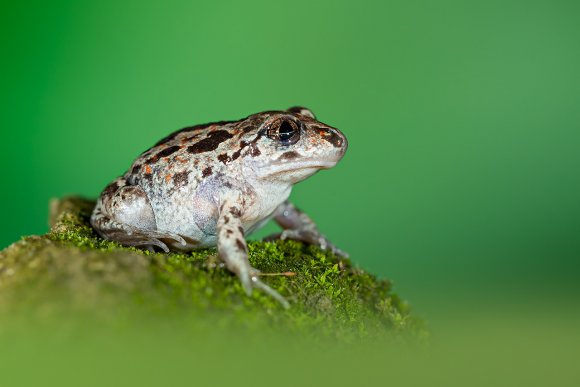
(286, 130)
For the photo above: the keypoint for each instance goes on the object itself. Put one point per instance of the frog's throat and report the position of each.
(279, 168)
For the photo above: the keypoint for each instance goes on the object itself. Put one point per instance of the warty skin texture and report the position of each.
(213, 184)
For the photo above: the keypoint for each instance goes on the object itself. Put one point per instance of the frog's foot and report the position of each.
(249, 276)
(149, 239)
(233, 251)
(298, 226)
(310, 236)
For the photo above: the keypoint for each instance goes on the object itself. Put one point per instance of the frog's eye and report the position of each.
(285, 131)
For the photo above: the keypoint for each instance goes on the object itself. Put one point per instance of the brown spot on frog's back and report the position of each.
(181, 179)
(210, 143)
(167, 151)
(206, 172)
(192, 129)
(136, 169)
(224, 158)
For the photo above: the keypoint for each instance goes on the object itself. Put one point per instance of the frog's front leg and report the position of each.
(233, 251)
(298, 226)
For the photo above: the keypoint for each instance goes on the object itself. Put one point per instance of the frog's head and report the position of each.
(292, 145)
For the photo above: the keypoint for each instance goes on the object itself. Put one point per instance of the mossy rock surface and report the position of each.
(70, 269)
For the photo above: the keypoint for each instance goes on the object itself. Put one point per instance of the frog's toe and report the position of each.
(167, 237)
(246, 280)
(147, 243)
(249, 277)
(326, 245)
(336, 251)
(257, 283)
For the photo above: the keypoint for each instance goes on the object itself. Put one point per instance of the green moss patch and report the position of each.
(70, 269)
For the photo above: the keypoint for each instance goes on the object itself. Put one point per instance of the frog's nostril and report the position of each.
(333, 136)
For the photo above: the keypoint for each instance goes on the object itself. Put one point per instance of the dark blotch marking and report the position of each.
(224, 158)
(136, 169)
(331, 136)
(236, 212)
(206, 172)
(236, 154)
(167, 152)
(229, 232)
(241, 245)
(255, 151)
(291, 155)
(210, 143)
(181, 179)
(110, 190)
(190, 129)
(241, 230)
(226, 219)
(148, 176)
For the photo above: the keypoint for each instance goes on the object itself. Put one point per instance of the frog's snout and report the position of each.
(339, 142)
(335, 138)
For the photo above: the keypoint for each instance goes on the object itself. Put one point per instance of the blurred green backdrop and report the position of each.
(462, 176)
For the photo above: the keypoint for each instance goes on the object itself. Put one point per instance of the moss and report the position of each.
(71, 269)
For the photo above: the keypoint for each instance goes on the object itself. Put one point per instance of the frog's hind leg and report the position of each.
(124, 214)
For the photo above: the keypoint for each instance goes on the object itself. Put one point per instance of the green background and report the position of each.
(461, 182)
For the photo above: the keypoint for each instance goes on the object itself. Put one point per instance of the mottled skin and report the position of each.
(214, 184)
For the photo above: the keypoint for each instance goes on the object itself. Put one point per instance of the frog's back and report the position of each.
(180, 158)
(178, 174)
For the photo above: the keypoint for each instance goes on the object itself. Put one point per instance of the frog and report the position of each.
(212, 185)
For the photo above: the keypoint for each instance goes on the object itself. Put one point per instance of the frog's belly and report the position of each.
(193, 213)
(196, 222)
